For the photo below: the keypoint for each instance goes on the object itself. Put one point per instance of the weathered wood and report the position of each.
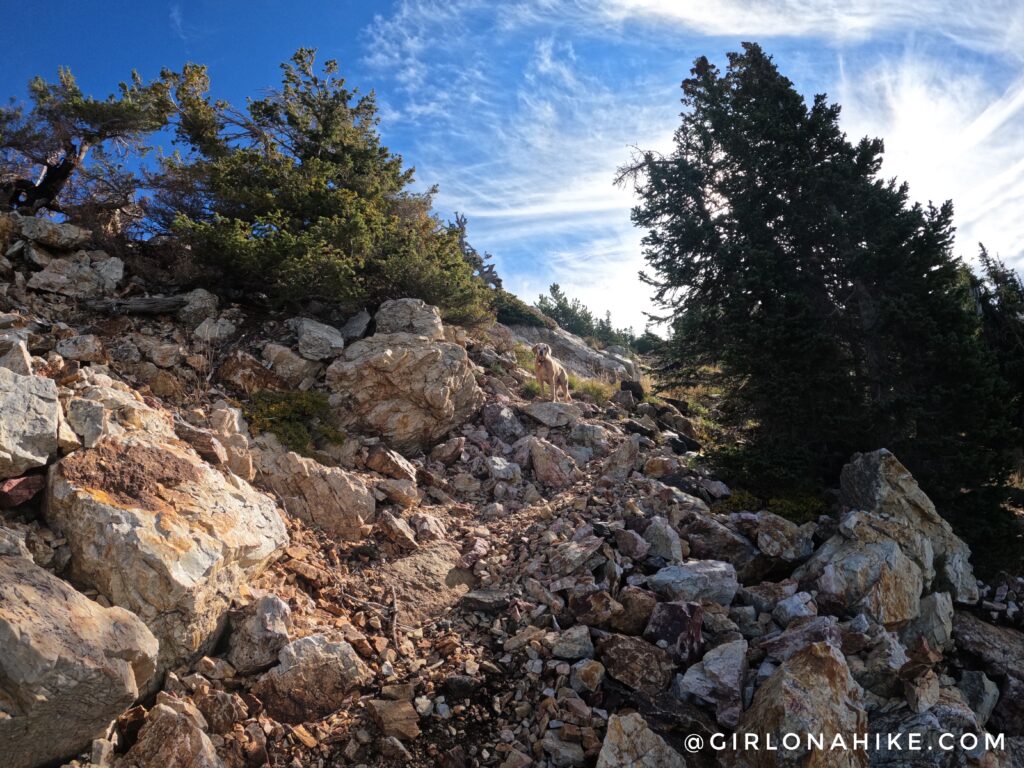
(145, 305)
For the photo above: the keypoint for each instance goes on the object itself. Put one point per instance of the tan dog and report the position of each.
(550, 371)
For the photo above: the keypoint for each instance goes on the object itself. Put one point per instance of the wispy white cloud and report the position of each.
(988, 25)
(522, 112)
(177, 22)
(951, 135)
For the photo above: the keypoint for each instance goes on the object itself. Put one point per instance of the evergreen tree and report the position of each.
(63, 154)
(831, 308)
(296, 197)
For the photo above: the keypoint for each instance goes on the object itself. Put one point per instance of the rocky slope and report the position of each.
(454, 577)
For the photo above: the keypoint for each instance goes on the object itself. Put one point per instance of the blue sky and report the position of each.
(522, 110)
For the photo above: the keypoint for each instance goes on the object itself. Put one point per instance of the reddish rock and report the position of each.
(19, 490)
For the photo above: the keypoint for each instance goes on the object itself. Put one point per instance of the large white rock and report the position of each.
(409, 316)
(68, 666)
(812, 692)
(30, 415)
(895, 507)
(77, 278)
(331, 498)
(317, 341)
(410, 390)
(630, 743)
(156, 529)
(54, 234)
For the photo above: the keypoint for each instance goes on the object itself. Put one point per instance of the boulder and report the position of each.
(980, 694)
(812, 692)
(391, 463)
(314, 677)
(636, 663)
(406, 389)
(258, 632)
(664, 541)
(215, 330)
(317, 341)
(54, 234)
(157, 530)
(800, 633)
(395, 718)
(1000, 653)
(873, 577)
(934, 623)
(948, 715)
(553, 414)
(718, 679)
(574, 643)
(333, 499)
(31, 417)
(86, 348)
(411, 316)
(356, 326)
(73, 277)
(17, 359)
(898, 509)
(696, 580)
(622, 461)
(502, 422)
(68, 666)
(630, 743)
(171, 739)
(293, 369)
(552, 466)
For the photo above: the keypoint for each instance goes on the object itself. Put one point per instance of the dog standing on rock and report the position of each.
(550, 371)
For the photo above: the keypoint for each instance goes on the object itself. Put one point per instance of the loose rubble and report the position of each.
(450, 575)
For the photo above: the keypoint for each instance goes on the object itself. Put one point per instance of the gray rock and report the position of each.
(86, 348)
(356, 326)
(797, 606)
(317, 341)
(17, 359)
(664, 540)
(31, 416)
(293, 368)
(553, 414)
(980, 693)
(412, 316)
(314, 677)
(934, 623)
(718, 679)
(897, 508)
(502, 469)
(574, 643)
(201, 305)
(696, 580)
(502, 422)
(214, 331)
(62, 236)
(258, 632)
(73, 277)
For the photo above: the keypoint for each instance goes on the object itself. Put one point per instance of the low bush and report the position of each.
(511, 310)
(297, 419)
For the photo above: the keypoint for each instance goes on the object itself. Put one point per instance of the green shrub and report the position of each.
(511, 310)
(530, 389)
(594, 390)
(297, 419)
(524, 356)
(296, 198)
